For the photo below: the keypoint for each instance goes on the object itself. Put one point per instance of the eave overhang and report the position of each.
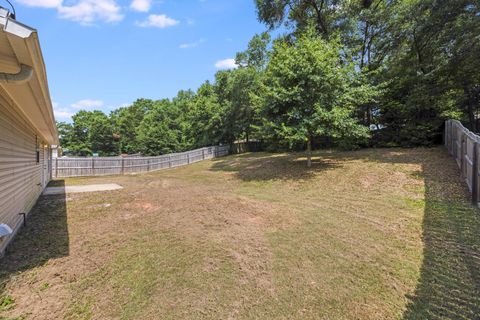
(20, 48)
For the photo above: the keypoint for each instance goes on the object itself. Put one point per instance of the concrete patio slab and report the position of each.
(84, 188)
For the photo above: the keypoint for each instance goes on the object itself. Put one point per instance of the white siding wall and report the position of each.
(20, 174)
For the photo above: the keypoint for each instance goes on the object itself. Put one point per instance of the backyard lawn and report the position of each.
(371, 234)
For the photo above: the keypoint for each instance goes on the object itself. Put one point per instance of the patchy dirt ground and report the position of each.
(373, 234)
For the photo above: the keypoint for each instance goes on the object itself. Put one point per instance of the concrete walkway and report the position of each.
(84, 188)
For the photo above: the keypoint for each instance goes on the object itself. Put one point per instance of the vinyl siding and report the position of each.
(20, 174)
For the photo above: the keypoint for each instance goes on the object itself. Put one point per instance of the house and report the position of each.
(27, 124)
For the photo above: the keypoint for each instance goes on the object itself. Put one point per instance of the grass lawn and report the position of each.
(372, 234)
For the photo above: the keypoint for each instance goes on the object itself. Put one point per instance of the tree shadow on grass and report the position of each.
(449, 283)
(265, 166)
(44, 237)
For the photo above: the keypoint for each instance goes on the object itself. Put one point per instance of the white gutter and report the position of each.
(20, 30)
(13, 26)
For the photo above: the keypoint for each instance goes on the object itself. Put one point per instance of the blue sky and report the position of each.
(102, 54)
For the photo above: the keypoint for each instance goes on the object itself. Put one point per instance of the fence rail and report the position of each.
(464, 146)
(85, 167)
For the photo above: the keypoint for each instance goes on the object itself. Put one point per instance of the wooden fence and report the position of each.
(464, 146)
(85, 167)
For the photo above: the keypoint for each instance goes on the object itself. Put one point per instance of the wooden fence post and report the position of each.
(454, 140)
(188, 158)
(450, 136)
(169, 161)
(56, 167)
(203, 153)
(148, 165)
(445, 135)
(462, 155)
(475, 174)
(123, 165)
(93, 166)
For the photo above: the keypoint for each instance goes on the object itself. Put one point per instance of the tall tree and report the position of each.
(159, 133)
(65, 135)
(182, 105)
(299, 15)
(256, 55)
(207, 117)
(101, 136)
(126, 121)
(430, 68)
(306, 93)
(92, 132)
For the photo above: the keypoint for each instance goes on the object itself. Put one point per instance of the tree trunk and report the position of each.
(309, 152)
(364, 45)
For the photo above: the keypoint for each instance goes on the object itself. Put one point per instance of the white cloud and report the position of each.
(226, 64)
(159, 21)
(141, 5)
(83, 11)
(65, 113)
(87, 104)
(41, 3)
(192, 44)
(88, 11)
(61, 113)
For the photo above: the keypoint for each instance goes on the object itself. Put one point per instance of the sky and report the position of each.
(104, 54)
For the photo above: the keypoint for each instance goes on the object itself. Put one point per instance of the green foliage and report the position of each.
(159, 133)
(306, 93)
(300, 15)
(207, 117)
(424, 54)
(256, 55)
(126, 121)
(91, 132)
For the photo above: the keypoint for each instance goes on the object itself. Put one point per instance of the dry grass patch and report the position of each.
(373, 234)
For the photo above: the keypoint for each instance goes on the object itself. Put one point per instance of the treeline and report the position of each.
(347, 73)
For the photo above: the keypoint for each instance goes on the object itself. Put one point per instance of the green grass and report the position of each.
(6, 302)
(372, 234)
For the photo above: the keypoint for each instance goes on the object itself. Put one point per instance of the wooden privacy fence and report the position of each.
(464, 146)
(84, 167)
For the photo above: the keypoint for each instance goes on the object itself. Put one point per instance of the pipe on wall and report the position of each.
(23, 76)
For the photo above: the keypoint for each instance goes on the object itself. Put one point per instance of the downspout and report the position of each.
(21, 77)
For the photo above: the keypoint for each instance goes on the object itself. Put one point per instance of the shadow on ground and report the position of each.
(263, 166)
(449, 283)
(43, 238)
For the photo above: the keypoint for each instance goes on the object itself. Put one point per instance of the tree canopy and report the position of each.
(340, 71)
(306, 93)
